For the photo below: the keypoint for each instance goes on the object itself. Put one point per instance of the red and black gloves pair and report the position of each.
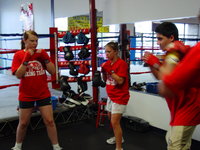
(107, 68)
(151, 60)
(177, 46)
(40, 55)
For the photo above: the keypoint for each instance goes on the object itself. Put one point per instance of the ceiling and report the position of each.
(193, 20)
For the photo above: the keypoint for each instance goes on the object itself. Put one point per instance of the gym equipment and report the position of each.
(73, 71)
(68, 53)
(84, 53)
(64, 86)
(97, 81)
(69, 38)
(82, 85)
(82, 39)
(84, 69)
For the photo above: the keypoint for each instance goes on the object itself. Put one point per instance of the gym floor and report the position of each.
(84, 136)
(81, 135)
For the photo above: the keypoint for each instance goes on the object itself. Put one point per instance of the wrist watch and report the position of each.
(25, 63)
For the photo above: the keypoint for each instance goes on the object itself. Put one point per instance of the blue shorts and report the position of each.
(38, 103)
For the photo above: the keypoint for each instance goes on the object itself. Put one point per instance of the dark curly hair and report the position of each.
(167, 29)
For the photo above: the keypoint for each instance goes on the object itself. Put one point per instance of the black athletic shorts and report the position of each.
(38, 103)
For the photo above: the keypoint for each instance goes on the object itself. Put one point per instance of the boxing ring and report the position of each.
(62, 115)
(9, 91)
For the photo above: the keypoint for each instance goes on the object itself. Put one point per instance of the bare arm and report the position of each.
(165, 69)
(51, 68)
(20, 71)
(118, 79)
(158, 69)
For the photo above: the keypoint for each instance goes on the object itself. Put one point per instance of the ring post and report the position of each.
(54, 56)
(93, 26)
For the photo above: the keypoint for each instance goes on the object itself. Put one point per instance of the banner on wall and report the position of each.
(26, 16)
(83, 22)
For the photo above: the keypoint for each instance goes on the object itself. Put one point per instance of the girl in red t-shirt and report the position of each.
(30, 65)
(115, 73)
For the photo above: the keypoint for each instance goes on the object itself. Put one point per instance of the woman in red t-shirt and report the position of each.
(30, 65)
(115, 73)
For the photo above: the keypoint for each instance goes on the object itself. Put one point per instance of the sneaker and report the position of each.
(75, 101)
(69, 104)
(16, 148)
(86, 96)
(83, 101)
(57, 148)
(112, 140)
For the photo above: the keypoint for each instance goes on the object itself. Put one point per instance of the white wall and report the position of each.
(153, 109)
(10, 20)
(10, 13)
(130, 11)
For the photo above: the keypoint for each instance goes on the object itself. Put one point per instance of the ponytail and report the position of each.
(22, 44)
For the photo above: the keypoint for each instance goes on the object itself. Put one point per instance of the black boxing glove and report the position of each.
(82, 85)
(82, 39)
(97, 80)
(68, 53)
(84, 53)
(64, 85)
(69, 38)
(73, 71)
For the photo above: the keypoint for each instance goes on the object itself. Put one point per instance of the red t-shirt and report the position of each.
(185, 108)
(118, 93)
(33, 86)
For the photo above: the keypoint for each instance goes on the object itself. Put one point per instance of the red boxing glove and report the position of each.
(44, 56)
(151, 60)
(26, 58)
(106, 67)
(177, 46)
(84, 69)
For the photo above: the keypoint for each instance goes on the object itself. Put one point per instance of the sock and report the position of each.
(19, 145)
(56, 147)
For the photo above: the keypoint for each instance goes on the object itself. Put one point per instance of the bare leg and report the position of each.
(24, 119)
(115, 121)
(47, 115)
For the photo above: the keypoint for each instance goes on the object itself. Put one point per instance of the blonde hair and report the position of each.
(113, 45)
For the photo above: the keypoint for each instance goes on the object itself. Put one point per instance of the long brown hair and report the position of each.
(25, 37)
